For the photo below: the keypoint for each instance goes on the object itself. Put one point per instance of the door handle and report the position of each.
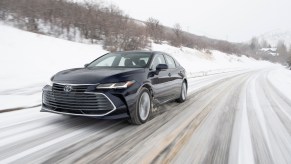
(170, 74)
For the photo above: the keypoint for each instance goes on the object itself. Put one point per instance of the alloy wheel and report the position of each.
(144, 106)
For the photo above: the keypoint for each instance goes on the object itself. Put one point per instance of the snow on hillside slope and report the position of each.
(196, 61)
(28, 60)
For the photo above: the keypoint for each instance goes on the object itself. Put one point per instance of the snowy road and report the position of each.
(239, 117)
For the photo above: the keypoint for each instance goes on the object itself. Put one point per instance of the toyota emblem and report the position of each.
(68, 88)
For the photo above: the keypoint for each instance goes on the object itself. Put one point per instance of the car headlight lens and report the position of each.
(120, 85)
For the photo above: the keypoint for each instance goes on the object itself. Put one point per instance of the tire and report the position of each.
(143, 108)
(183, 94)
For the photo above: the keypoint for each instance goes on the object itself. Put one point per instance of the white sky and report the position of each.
(233, 20)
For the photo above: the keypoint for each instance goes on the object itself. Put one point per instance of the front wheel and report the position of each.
(183, 94)
(143, 108)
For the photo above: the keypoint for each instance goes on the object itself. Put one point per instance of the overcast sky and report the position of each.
(233, 20)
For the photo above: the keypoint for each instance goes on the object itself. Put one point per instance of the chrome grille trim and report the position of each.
(73, 114)
(79, 103)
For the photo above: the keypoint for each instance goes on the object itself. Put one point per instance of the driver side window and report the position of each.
(159, 59)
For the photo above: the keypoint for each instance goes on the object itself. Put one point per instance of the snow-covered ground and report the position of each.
(28, 60)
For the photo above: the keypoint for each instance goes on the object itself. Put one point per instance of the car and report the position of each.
(118, 85)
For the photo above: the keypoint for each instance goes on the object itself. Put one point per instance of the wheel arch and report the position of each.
(149, 87)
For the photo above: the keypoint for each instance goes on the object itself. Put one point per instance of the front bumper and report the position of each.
(83, 102)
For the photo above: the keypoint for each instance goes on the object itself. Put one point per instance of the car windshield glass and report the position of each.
(123, 60)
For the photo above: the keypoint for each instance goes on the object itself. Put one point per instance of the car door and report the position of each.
(160, 81)
(175, 80)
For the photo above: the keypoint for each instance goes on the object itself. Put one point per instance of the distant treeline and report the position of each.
(107, 24)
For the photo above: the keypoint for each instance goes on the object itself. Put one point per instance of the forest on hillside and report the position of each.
(117, 31)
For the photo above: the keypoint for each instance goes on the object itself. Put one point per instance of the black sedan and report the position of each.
(117, 85)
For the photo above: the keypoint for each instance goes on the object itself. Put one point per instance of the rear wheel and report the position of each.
(183, 94)
(143, 108)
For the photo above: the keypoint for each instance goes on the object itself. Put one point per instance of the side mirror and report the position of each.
(86, 65)
(161, 67)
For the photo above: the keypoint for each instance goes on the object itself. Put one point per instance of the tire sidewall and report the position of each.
(137, 105)
(180, 99)
(182, 87)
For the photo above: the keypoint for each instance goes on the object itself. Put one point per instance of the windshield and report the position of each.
(123, 60)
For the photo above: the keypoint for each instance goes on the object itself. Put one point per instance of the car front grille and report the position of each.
(77, 101)
(75, 88)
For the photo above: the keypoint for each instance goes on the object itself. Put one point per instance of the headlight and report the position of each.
(120, 85)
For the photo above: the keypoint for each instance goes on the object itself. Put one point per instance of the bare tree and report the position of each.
(282, 51)
(281, 47)
(254, 44)
(178, 35)
(264, 44)
(155, 30)
(289, 57)
(177, 30)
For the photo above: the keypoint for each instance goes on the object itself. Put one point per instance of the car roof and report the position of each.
(141, 51)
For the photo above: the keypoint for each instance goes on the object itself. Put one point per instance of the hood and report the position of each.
(96, 75)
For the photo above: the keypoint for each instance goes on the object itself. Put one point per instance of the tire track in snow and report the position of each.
(241, 150)
(212, 145)
(279, 137)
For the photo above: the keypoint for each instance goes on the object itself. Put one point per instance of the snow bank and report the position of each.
(281, 80)
(27, 58)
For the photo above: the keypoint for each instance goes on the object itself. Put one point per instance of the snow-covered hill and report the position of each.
(28, 60)
(273, 37)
